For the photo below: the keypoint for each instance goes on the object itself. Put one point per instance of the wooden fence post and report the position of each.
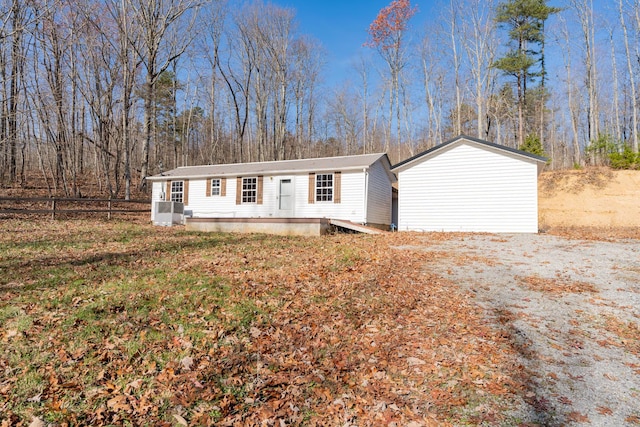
(109, 213)
(53, 208)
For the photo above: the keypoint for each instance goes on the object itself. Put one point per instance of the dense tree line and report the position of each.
(116, 90)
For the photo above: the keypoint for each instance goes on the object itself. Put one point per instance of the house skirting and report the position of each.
(282, 226)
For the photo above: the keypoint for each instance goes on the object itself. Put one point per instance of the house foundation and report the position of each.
(280, 226)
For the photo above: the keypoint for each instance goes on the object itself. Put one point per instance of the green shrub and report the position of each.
(617, 155)
(625, 159)
(533, 145)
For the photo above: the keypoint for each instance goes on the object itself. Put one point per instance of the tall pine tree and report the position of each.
(524, 19)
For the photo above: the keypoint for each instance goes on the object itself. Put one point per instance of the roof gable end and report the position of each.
(434, 151)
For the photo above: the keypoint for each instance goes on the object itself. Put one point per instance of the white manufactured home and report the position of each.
(469, 185)
(288, 197)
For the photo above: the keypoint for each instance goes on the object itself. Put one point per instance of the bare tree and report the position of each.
(387, 33)
(307, 63)
(275, 39)
(110, 39)
(433, 85)
(616, 89)
(631, 72)
(454, 37)
(479, 40)
(362, 69)
(584, 11)
(51, 84)
(127, 37)
(574, 109)
(237, 69)
(345, 119)
(17, 17)
(99, 80)
(166, 27)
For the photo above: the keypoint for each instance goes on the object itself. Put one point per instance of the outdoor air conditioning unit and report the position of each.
(168, 213)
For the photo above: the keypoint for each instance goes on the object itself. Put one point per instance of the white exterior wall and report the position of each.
(379, 195)
(468, 188)
(156, 191)
(351, 207)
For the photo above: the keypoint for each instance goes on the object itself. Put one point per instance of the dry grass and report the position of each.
(605, 234)
(574, 181)
(113, 323)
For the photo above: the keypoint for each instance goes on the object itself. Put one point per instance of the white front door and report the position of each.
(285, 198)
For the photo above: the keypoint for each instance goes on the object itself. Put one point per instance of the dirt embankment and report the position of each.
(589, 198)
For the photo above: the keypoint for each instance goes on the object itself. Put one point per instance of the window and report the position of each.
(177, 191)
(249, 190)
(324, 187)
(215, 187)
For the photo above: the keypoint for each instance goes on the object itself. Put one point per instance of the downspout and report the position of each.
(366, 195)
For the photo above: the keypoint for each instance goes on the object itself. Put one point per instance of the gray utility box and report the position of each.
(168, 213)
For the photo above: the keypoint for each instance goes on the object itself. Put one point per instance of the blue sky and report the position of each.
(341, 27)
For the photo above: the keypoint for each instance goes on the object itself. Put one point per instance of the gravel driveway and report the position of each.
(572, 310)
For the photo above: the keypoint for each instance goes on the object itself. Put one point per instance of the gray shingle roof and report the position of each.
(275, 167)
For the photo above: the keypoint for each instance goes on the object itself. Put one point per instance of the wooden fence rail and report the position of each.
(27, 205)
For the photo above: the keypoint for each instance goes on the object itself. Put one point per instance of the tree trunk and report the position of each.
(634, 99)
(148, 130)
(16, 61)
(520, 109)
(457, 130)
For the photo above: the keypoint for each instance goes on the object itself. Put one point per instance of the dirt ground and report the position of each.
(570, 308)
(589, 198)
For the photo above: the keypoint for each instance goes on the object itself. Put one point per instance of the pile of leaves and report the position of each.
(107, 323)
(555, 285)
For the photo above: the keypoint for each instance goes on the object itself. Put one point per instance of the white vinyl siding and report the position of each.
(351, 207)
(468, 187)
(379, 195)
(157, 192)
(225, 206)
(361, 195)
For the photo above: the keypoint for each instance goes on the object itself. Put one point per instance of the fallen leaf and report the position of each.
(180, 420)
(36, 422)
(577, 417)
(603, 410)
(633, 419)
(37, 398)
(414, 361)
(187, 363)
(565, 400)
(133, 385)
(119, 403)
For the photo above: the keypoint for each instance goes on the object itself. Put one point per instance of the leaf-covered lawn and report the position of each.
(108, 323)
